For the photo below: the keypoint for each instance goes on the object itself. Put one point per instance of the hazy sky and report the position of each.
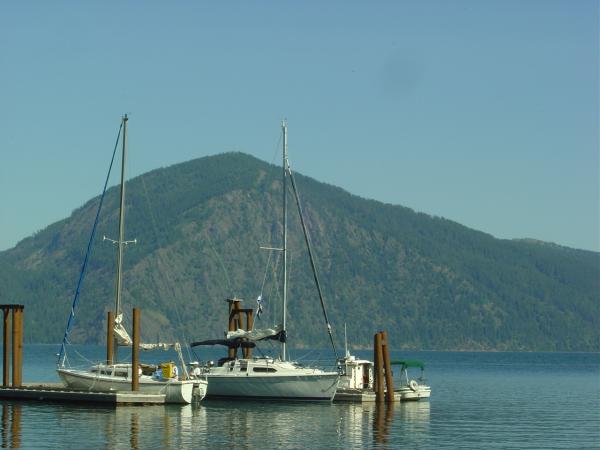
(483, 112)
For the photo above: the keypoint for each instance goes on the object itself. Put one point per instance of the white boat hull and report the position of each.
(408, 394)
(404, 394)
(175, 391)
(270, 379)
(276, 387)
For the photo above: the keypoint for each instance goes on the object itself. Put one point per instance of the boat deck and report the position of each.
(56, 392)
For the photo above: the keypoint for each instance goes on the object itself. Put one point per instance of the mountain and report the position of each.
(430, 282)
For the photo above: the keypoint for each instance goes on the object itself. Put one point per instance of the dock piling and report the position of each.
(17, 344)
(135, 353)
(110, 337)
(383, 369)
(234, 306)
(379, 389)
(5, 353)
(389, 383)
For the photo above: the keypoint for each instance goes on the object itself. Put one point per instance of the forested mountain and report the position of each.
(430, 282)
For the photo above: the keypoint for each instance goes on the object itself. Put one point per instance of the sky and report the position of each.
(482, 112)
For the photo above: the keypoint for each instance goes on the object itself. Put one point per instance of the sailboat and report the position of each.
(113, 376)
(266, 377)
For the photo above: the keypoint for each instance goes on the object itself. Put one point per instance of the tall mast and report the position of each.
(284, 248)
(121, 240)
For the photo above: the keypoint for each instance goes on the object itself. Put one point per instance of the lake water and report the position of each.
(479, 400)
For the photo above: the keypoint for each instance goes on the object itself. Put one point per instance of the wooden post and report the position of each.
(20, 346)
(234, 306)
(249, 327)
(110, 337)
(389, 383)
(379, 389)
(17, 346)
(135, 353)
(5, 352)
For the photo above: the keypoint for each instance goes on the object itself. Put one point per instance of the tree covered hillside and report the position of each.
(430, 282)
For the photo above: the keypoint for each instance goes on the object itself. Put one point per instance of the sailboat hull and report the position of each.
(284, 381)
(318, 387)
(175, 391)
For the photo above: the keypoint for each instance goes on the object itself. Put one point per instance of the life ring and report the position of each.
(413, 385)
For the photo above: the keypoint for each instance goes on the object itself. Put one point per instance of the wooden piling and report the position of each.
(135, 353)
(379, 388)
(17, 345)
(110, 337)
(249, 327)
(20, 358)
(5, 353)
(234, 306)
(387, 366)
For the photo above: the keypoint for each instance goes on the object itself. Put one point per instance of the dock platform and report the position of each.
(360, 395)
(56, 392)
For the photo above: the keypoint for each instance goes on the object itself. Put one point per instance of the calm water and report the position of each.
(479, 400)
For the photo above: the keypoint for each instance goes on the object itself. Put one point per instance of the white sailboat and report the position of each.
(267, 377)
(109, 376)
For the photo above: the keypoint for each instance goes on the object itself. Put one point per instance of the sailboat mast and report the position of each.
(121, 240)
(284, 247)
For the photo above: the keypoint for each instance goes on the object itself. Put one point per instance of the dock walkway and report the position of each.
(56, 392)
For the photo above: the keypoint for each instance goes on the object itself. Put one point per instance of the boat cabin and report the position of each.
(356, 373)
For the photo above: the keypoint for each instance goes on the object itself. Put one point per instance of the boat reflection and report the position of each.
(217, 424)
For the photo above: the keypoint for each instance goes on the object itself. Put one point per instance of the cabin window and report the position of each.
(264, 369)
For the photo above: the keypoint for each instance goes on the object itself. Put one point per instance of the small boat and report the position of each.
(357, 380)
(411, 389)
(267, 377)
(116, 376)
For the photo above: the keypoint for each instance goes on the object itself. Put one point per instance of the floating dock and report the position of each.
(56, 392)
(360, 395)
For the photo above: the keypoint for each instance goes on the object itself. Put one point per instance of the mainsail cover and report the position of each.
(254, 335)
(124, 340)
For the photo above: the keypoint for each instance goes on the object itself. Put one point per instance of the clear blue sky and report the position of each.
(483, 112)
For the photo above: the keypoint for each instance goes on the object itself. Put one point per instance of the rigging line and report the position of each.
(277, 149)
(275, 286)
(212, 247)
(312, 261)
(159, 256)
(87, 253)
(266, 272)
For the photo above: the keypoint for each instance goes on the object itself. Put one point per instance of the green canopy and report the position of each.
(408, 363)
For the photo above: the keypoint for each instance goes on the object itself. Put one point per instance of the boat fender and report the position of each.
(413, 385)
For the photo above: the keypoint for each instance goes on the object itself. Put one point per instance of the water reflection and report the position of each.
(11, 425)
(382, 423)
(135, 429)
(215, 424)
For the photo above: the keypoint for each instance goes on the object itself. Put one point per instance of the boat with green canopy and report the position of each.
(411, 389)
